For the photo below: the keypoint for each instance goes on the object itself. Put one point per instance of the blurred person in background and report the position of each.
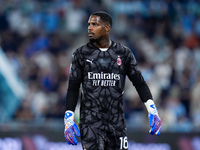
(101, 67)
(195, 103)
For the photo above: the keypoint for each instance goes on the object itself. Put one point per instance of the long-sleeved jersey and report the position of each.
(102, 75)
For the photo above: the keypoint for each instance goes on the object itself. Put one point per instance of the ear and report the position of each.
(107, 28)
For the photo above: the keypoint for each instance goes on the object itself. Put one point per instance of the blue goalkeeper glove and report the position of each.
(154, 119)
(71, 129)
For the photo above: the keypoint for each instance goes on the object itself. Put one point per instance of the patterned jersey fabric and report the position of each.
(103, 78)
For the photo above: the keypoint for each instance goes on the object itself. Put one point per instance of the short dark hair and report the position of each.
(105, 17)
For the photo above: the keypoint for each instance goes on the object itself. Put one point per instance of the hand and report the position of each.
(154, 119)
(71, 129)
(155, 124)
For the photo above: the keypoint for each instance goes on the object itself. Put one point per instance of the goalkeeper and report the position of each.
(101, 67)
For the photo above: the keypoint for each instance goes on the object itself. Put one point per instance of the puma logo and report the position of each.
(90, 61)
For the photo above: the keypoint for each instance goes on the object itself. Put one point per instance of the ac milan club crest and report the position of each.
(119, 61)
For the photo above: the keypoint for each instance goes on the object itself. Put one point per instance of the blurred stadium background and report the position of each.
(37, 38)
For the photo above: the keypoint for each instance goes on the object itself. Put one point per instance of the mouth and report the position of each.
(90, 34)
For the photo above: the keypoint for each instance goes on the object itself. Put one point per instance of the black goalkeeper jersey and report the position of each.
(102, 74)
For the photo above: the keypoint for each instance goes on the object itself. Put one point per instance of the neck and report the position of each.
(103, 43)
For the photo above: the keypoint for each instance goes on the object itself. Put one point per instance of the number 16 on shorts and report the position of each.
(123, 142)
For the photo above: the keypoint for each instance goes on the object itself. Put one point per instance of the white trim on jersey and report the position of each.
(103, 49)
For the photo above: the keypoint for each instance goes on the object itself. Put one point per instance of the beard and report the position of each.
(93, 40)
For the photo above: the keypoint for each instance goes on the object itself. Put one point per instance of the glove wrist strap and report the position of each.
(69, 115)
(151, 107)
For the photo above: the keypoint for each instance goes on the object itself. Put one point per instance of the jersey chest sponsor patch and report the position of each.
(103, 79)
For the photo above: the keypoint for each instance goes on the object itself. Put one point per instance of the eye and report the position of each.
(94, 24)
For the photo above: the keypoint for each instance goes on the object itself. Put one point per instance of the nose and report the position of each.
(89, 28)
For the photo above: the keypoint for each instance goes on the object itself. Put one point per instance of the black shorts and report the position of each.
(103, 137)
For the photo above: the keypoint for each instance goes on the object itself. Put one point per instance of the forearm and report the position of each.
(141, 87)
(144, 92)
(72, 94)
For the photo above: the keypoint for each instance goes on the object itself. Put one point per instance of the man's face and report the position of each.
(96, 28)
